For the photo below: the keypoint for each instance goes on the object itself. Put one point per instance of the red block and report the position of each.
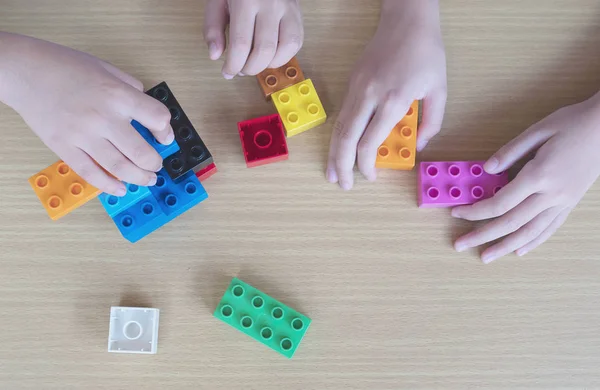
(263, 140)
(206, 172)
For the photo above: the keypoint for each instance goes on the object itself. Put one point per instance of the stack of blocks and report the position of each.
(299, 109)
(141, 210)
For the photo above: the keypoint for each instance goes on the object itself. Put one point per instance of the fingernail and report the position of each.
(421, 145)
(345, 185)
(121, 191)
(213, 51)
(227, 76)
(332, 176)
(488, 258)
(169, 138)
(241, 74)
(152, 181)
(521, 253)
(460, 247)
(491, 165)
(455, 213)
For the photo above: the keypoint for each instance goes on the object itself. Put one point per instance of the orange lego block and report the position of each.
(61, 190)
(400, 147)
(274, 80)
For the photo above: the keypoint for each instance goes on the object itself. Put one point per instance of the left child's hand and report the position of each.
(537, 202)
(262, 33)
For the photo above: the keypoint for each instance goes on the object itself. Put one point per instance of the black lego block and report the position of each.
(193, 153)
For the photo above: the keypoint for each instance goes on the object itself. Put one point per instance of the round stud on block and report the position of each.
(455, 192)
(383, 151)
(293, 117)
(76, 189)
(477, 192)
(432, 171)
(454, 170)
(246, 322)
(175, 114)
(42, 181)
(184, 133)
(433, 193)
(284, 98)
(176, 164)
(410, 112)
(112, 200)
(191, 188)
(406, 132)
(54, 202)
(133, 188)
(404, 153)
(313, 109)
(160, 181)
(263, 139)
(476, 170)
(271, 81)
(227, 311)
(147, 208)
(291, 72)
(132, 330)
(257, 302)
(237, 291)
(304, 89)
(171, 200)
(277, 313)
(286, 344)
(127, 221)
(197, 152)
(266, 333)
(297, 324)
(161, 94)
(63, 169)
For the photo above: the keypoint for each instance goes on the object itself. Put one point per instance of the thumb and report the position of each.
(215, 22)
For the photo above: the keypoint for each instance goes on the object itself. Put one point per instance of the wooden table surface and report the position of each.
(393, 306)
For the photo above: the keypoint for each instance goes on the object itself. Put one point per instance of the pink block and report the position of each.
(452, 183)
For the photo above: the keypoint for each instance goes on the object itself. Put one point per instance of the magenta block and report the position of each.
(453, 183)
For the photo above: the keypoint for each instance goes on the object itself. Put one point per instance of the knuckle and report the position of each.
(87, 171)
(294, 42)
(265, 47)
(117, 167)
(511, 224)
(241, 43)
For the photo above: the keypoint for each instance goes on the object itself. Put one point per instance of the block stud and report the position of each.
(477, 192)
(476, 170)
(455, 192)
(42, 181)
(454, 170)
(263, 139)
(383, 151)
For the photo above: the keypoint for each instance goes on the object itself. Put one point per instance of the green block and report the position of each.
(261, 317)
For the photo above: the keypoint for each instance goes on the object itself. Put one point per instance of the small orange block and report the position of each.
(61, 190)
(400, 147)
(273, 80)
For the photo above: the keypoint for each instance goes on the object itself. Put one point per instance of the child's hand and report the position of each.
(537, 202)
(405, 61)
(262, 33)
(81, 108)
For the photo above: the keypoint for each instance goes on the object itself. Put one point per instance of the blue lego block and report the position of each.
(164, 150)
(115, 204)
(175, 198)
(141, 219)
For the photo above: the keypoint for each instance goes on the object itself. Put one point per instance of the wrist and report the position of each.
(13, 48)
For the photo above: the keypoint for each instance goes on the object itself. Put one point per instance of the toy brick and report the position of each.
(133, 330)
(299, 107)
(163, 150)
(141, 219)
(193, 153)
(400, 147)
(115, 204)
(61, 190)
(274, 80)
(263, 318)
(263, 140)
(452, 183)
(207, 172)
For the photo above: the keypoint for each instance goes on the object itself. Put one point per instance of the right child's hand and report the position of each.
(262, 33)
(404, 62)
(81, 108)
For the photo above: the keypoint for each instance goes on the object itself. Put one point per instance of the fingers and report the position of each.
(135, 147)
(241, 33)
(266, 36)
(89, 171)
(526, 234)
(546, 234)
(506, 199)
(386, 117)
(151, 114)
(215, 23)
(291, 37)
(508, 223)
(349, 127)
(519, 147)
(434, 106)
(111, 159)
(124, 77)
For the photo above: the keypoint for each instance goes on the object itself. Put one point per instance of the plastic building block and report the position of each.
(61, 190)
(452, 183)
(261, 317)
(115, 204)
(133, 330)
(400, 147)
(163, 150)
(299, 107)
(273, 80)
(207, 172)
(169, 200)
(263, 141)
(193, 153)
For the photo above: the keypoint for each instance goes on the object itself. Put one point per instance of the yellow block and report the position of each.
(61, 190)
(400, 147)
(299, 107)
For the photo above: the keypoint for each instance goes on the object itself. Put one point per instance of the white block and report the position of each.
(133, 330)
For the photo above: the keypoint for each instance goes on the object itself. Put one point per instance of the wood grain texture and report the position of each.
(393, 306)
